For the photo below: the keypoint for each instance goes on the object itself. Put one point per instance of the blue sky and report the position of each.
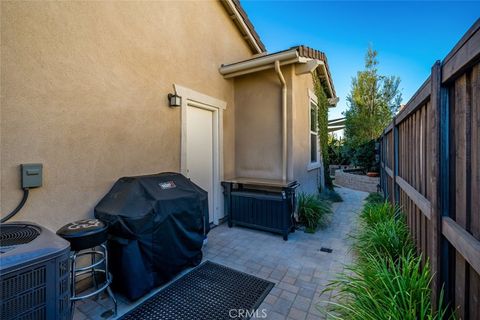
(409, 36)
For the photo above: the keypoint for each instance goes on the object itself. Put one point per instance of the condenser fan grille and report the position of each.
(34, 273)
(12, 235)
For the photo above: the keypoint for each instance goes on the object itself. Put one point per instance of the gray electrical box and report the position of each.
(32, 175)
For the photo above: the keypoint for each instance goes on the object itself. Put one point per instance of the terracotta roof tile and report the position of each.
(247, 22)
(303, 51)
(307, 52)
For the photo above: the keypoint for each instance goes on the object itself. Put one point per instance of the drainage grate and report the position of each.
(209, 291)
(12, 235)
(327, 250)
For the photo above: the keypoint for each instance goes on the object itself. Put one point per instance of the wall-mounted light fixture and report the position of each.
(174, 100)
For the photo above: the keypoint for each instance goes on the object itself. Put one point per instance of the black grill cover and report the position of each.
(157, 224)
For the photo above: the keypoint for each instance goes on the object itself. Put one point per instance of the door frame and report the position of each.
(196, 99)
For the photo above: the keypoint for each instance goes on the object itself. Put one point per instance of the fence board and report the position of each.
(475, 186)
(459, 162)
(413, 175)
(466, 244)
(428, 229)
(421, 160)
(389, 171)
(434, 181)
(418, 213)
(465, 53)
(475, 153)
(418, 199)
(416, 101)
(389, 128)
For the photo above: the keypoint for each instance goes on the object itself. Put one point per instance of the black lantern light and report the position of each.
(174, 100)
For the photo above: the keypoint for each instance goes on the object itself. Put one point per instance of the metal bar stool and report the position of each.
(88, 238)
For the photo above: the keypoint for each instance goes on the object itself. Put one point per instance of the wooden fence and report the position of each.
(430, 166)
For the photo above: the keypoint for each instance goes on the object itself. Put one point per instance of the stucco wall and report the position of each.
(308, 178)
(83, 91)
(258, 125)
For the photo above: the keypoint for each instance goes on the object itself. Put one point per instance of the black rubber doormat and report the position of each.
(210, 291)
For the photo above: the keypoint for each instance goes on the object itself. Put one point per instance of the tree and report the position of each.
(336, 150)
(372, 102)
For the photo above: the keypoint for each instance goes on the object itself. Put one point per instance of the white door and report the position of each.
(200, 151)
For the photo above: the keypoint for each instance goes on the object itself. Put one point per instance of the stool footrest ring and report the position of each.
(92, 266)
(88, 271)
(91, 294)
(99, 263)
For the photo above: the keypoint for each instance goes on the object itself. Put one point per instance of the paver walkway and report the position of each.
(298, 268)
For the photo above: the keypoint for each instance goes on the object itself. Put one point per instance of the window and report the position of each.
(314, 148)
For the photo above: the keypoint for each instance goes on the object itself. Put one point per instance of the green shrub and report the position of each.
(311, 211)
(375, 197)
(383, 231)
(336, 150)
(380, 289)
(330, 195)
(376, 212)
(387, 281)
(388, 238)
(364, 157)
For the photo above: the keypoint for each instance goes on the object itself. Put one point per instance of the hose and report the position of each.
(20, 206)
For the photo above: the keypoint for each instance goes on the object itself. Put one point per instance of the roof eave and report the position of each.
(245, 26)
(332, 99)
(257, 64)
(285, 58)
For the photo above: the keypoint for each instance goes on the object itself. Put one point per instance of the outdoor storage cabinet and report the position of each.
(261, 204)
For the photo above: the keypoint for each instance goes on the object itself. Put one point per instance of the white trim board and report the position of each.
(312, 98)
(197, 99)
(193, 95)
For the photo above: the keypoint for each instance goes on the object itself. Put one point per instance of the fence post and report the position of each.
(438, 148)
(382, 163)
(444, 195)
(396, 192)
(385, 179)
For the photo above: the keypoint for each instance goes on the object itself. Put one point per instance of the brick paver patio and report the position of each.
(298, 268)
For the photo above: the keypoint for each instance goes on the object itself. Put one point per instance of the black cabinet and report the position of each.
(261, 204)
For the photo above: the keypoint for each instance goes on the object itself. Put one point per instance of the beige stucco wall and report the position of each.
(308, 178)
(258, 125)
(83, 91)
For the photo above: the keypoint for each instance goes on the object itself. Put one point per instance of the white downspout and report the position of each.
(284, 119)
